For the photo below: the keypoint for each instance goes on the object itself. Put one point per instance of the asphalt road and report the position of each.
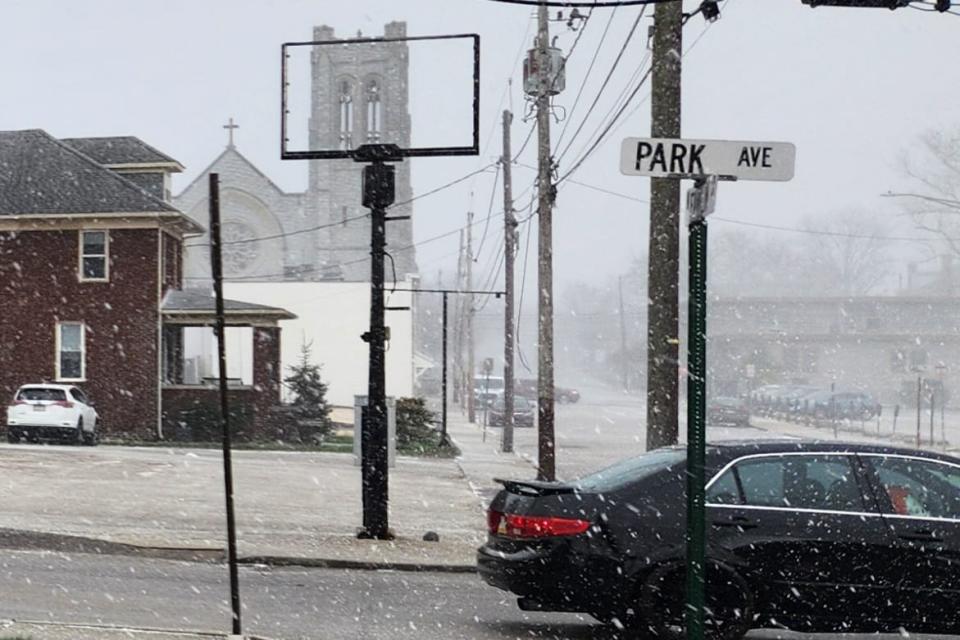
(280, 603)
(603, 427)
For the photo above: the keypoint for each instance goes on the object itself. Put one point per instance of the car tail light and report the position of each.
(64, 403)
(510, 525)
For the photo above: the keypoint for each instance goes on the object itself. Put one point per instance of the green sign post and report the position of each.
(699, 203)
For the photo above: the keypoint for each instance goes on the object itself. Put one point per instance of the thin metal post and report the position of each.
(933, 437)
(216, 267)
(696, 429)
(443, 378)
(919, 402)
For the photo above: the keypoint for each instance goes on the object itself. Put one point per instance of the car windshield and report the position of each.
(630, 470)
(42, 393)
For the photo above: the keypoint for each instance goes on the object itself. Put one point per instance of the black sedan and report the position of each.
(804, 535)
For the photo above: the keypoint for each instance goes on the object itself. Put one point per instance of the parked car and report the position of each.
(52, 412)
(844, 405)
(486, 389)
(565, 395)
(523, 412)
(811, 536)
(725, 410)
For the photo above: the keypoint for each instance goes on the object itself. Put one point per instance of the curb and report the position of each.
(359, 565)
(128, 629)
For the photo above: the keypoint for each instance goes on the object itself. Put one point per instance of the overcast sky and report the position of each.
(851, 88)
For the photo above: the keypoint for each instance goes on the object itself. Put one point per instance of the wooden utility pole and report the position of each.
(546, 465)
(469, 391)
(509, 249)
(664, 261)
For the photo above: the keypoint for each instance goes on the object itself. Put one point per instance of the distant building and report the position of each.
(875, 344)
(358, 95)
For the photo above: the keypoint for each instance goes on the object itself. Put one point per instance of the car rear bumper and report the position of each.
(42, 432)
(555, 578)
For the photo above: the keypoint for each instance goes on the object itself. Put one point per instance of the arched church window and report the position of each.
(346, 115)
(374, 111)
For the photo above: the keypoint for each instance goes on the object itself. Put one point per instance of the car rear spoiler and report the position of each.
(535, 487)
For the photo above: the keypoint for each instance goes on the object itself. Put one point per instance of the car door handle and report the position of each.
(921, 535)
(735, 521)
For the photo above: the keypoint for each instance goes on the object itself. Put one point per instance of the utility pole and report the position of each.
(664, 261)
(625, 365)
(458, 345)
(469, 391)
(546, 464)
(509, 248)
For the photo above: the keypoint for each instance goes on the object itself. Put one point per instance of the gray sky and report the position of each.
(851, 88)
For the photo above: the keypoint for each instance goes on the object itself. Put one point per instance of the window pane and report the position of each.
(918, 487)
(822, 482)
(762, 482)
(94, 267)
(70, 336)
(94, 243)
(38, 393)
(724, 490)
(631, 470)
(70, 366)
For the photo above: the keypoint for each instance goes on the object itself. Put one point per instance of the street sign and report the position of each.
(702, 198)
(695, 159)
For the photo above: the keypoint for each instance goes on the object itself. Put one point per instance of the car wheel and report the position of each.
(12, 437)
(90, 438)
(79, 439)
(728, 611)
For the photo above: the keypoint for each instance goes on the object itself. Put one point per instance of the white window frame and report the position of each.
(83, 351)
(105, 256)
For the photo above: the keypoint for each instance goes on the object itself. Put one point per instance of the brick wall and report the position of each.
(39, 287)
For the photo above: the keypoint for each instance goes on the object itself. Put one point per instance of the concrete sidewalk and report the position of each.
(855, 431)
(291, 507)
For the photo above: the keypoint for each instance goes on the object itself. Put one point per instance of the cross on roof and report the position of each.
(230, 126)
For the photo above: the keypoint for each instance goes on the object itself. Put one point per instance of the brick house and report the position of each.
(91, 277)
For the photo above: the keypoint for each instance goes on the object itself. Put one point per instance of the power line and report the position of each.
(821, 232)
(606, 81)
(586, 77)
(486, 227)
(352, 218)
(599, 4)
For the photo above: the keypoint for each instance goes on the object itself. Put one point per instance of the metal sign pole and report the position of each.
(696, 421)
(443, 380)
(216, 268)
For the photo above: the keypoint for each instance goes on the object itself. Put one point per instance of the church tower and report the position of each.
(359, 95)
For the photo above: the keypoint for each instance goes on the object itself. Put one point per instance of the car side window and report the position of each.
(78, 395)
(724, 490)
(819, 482)
(921, 488)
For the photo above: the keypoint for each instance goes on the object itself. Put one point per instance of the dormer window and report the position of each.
(346, 115)
(94, 256)
(374, 111)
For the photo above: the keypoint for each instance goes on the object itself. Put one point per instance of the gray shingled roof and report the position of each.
(119, 150)
(177, 301)
(40, 174)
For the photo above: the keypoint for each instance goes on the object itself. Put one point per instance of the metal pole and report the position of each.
(509, 234)
(216, 264)
(546, 459)
(624, 363)
(443, 379)
(696, 429)
(664, 238)
(919, 402)
(933, 437)
(378, 194)
(470, 306)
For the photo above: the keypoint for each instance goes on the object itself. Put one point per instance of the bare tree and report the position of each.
(933, 199)
(847, 253)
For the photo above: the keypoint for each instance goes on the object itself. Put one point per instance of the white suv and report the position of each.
(52, 412)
